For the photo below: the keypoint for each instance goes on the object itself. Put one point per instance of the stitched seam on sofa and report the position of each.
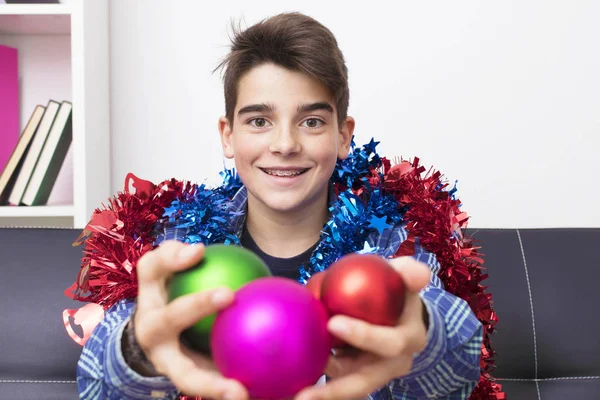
(562, 378)
(32, 381)
(537, 387)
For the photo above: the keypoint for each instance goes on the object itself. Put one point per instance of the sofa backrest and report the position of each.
(545, 286)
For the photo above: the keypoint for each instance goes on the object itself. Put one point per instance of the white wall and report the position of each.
(503, 96)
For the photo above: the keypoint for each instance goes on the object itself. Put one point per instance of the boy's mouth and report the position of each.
(284, 173)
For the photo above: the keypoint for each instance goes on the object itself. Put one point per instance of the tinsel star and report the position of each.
(379, 223)
(368, 249)
(370, 147)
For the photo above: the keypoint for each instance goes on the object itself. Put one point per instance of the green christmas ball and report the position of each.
(223, 265)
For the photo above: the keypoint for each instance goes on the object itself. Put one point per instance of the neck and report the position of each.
(288, 234)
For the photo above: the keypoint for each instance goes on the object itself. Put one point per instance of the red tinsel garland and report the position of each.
(436, 219)
(116, 238)
(118, 235)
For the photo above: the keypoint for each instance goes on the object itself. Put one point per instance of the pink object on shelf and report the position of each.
(9, 103)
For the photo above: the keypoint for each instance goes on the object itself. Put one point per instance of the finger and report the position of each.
(168, 322)
(185, 311)
(413, 310)
(355, 385)
(193, 381)
(342, 365)
(416, 275)
(156, 266)
(333, 368)
(199, 359)
(386, 341)
(362, 335)
(348, 351)
(168, 258)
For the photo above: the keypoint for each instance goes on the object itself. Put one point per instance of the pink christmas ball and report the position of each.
(273, 338)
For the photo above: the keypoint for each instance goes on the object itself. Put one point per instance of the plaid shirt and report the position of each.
(448, 368)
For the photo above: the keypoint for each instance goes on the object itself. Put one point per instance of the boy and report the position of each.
(286, 127)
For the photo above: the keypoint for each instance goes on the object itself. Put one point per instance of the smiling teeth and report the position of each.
(283, 173)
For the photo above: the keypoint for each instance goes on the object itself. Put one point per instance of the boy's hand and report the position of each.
(158, 323)
(383, 353)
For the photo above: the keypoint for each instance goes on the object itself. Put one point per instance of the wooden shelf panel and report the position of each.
(37, 211)
(35, 9)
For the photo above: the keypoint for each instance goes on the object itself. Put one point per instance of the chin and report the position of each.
(284, 206)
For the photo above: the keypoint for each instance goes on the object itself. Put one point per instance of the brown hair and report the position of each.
(293, 41)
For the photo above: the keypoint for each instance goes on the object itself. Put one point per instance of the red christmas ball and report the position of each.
(366, 287)
(314, 285)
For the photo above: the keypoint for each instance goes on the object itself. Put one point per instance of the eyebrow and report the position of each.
(266, 108)
(262, 107)
(315, 106)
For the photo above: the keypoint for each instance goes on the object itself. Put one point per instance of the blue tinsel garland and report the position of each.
(205, 213)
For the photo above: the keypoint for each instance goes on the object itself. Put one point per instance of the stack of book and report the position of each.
(31, 171)
(29, 160)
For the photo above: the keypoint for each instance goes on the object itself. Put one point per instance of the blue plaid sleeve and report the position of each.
(101, 370)
(448, 368)
(167, 232)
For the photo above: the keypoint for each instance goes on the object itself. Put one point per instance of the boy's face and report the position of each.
(285, 139)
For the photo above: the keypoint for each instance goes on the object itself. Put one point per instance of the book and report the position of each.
(51, 159)
(33, 153)
(15, 162)
(9, 103)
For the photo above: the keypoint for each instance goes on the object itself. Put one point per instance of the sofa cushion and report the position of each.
(37, 266)
(39, 390)
(545, 288)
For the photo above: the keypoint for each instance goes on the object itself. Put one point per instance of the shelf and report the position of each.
(64, 55)
(35, 19)
(37, 211)
(35, 9)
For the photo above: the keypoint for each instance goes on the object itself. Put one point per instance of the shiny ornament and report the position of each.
(364, 286)
(222, 266)
(314, 285)
(273, 338)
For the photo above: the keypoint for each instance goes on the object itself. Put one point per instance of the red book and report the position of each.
(9, 103)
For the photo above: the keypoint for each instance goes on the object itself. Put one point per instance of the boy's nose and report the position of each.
(284, 141)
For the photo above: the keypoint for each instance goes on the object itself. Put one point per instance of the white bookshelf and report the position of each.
(64, 55)
(38, 212)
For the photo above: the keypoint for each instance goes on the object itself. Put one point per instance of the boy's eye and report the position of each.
(258, 122)
(313, 123)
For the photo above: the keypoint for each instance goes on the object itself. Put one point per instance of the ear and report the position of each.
(226, 130)
(346, 134)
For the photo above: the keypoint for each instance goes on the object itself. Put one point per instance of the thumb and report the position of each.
(416, 275)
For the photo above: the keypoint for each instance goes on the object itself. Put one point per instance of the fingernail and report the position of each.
(220, 297)
(231, 391)
(187, 252)
(339, 327)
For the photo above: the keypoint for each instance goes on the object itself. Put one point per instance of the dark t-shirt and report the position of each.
(284, 267)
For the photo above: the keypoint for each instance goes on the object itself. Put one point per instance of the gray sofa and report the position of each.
(544, 282)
